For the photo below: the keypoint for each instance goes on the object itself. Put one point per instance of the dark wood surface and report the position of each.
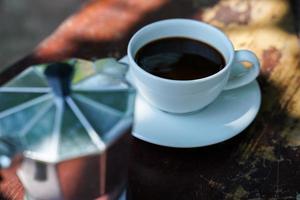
(263, 162)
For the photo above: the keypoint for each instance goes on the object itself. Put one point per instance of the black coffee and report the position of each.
(179, 58)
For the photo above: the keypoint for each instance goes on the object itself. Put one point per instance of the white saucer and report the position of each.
(226, 117)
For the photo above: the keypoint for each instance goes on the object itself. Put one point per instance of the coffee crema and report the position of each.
(179, 58)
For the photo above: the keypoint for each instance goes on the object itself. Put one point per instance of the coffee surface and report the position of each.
(179, 58)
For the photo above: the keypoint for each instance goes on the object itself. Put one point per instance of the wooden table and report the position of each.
(263, 162)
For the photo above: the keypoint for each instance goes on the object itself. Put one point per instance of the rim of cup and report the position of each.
(205, 25)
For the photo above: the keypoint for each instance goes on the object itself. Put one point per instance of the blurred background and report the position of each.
(26, 23)
(107, 25)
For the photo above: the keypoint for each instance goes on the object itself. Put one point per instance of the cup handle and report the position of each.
(239, 74)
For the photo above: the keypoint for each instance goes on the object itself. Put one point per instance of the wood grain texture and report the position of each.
(263, 162)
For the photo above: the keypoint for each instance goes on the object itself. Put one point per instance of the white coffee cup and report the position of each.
(182, 96)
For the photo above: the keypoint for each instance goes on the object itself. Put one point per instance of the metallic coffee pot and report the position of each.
(71, 124)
